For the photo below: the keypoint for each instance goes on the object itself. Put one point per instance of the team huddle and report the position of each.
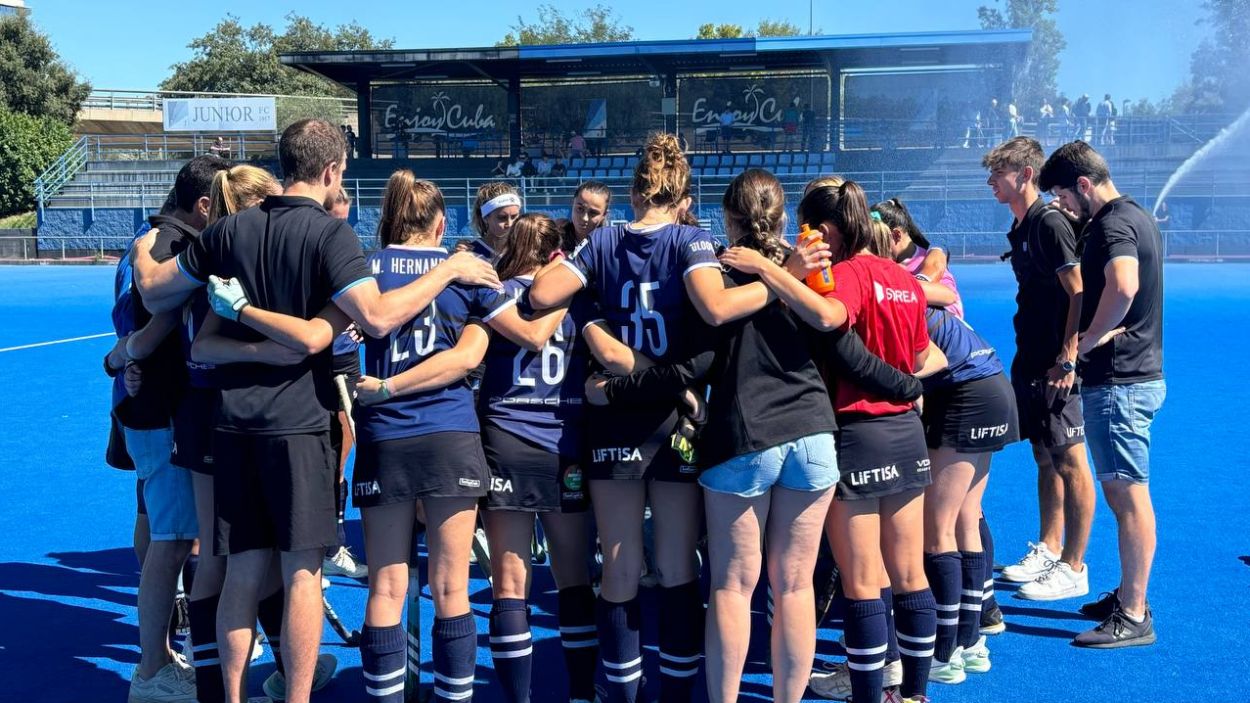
(758, 407)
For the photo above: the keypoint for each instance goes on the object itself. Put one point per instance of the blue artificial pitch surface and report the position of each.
(68, 575)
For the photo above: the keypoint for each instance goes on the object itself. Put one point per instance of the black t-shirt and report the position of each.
(164, 372)
(291, 258)
(1042, 246)
(1122, 228)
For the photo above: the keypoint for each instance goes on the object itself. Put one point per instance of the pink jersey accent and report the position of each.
(913, 265)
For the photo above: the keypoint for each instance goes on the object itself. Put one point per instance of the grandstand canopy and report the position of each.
(659, 65)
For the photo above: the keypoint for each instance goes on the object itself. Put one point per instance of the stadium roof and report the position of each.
(919, 49)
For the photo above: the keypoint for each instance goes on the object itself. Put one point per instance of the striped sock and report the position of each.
(865, 648)
(917, 625)
(681, 641)
(943, 572)
(270, 612)
(620, 648)
(512, 647)
(580, 639)
(891, 633)
(973, 597)
(455, 656)
(382, 655)
(771, 606)
(209, 687)
(987, 545)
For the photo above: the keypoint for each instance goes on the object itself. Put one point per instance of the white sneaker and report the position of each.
(170, 684)
(952, 671)
(833, 679)
(1034, 564)
(977, 657)
(344, 564)
(258, 649)
(275, 685)
(1059, 582)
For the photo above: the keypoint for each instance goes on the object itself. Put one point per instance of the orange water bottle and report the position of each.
(820, 280)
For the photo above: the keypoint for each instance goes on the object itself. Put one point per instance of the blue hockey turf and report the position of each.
(68, 575)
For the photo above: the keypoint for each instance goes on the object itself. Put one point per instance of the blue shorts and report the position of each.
(1117, 428)
(806, 464)
(167, 492)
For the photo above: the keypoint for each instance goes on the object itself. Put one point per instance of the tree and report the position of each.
(593, 25)
(766, 28)
(33, 79)
(1036, 76)
(1219, 78)
(28, 145)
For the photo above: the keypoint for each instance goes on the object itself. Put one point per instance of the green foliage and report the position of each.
(590, 26)
(231, 58)
(778, 28)
(1219, 70)
(1036, 76)
(24, 220)
(766, 28)
(28, 145)
(33, 79)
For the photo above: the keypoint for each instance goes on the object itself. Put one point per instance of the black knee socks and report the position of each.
(579, 639)
(620, 648)
(512, 647)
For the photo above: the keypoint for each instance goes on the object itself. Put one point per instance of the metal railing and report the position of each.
(102, 99)
(62, 171)
(179, 146)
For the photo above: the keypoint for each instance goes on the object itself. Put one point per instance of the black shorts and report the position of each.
(438, 465)
(273, 492)
(193, 430)
(527, 478)
(632, 445)
(972, 417)
(1051, 425)
(881, 456)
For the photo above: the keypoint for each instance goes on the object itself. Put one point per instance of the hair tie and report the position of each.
(874, 215)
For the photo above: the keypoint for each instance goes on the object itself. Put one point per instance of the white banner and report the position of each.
(220, 115)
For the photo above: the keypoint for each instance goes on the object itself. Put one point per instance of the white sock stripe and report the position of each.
(577, 629)
(679, 660)
(989, 584)
(916, 640)
(504, 639)
(444, 693)
(414, 667)
(972, 593)
(512, 655)
(389, 690)
(986, 595)
(414, 641)
(453, 682)
(948, 621)
(382, 677)
(866, 652)
(948, 607)
(624, 679)
(623, 665)
(971, 606)
(204, 647)
(866, 667)
(677, 673)
(915, 652)
(581, 645)
(206, 662)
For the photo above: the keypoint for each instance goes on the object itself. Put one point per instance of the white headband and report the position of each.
(499, 201)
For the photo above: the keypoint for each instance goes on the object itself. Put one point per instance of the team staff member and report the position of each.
(883, 460)
(1043, 373)
(279, 417)
(651, 277)
(530, 404)
(1122, 266)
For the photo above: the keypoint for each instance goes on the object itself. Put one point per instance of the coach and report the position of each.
(1121, 346)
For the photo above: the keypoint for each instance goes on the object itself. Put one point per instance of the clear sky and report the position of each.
(1130, 48)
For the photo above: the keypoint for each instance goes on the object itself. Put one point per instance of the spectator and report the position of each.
(500, 170)
(790, 123)
(514, 169)
(350, 135)
(1102, 115)
(807, 122)
(528, 171)
(992, 121)
(577, 145)
(1066, 125)
(973, 118)
(726, 127)
(1081, 111)
(219, 148)
(542, 169)
(558, 169)
(1045, 116)
(1013, 118)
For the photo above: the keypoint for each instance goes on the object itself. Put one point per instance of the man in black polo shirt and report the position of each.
(274, 469)
(1048, 309)
(1121, 348)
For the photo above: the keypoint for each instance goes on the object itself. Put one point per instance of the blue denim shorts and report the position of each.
(806, 464)
(167, 492)
(1117, 428)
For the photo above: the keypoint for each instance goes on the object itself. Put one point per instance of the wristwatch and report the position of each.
(1067, 365)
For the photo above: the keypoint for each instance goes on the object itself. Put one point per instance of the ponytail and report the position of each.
(846, 208)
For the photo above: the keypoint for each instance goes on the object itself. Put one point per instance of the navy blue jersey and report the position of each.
(969, 357)
(193, 315)
(435, 329)
(638, 277)
(538, 396)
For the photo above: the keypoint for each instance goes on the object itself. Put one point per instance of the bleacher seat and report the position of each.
(828, 158)
(600, 173)
(813, 169)
(782, 171)
(575, 163)
(713, 160)
(723, 171)
(785, 159)
(799, 159)
(698, 160)
(618, 162)
(740, 160)
(756, 160)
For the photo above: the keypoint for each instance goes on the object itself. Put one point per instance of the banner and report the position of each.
(413, 118)
(220, 115)
(765, 110)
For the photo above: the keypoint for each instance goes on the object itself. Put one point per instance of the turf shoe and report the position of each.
(1117, 631)
(1102, 608)
(1032, 565)
(992, 622)
(275, 685)
(171, 684)
(951, 672)
(977, 657)
(1059, 582)
(833, 679)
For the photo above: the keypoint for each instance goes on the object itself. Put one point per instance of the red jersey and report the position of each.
(886, 307)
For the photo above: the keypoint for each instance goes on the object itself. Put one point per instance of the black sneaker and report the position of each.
(1118, 631)
(992, 621)
(1102, 608)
